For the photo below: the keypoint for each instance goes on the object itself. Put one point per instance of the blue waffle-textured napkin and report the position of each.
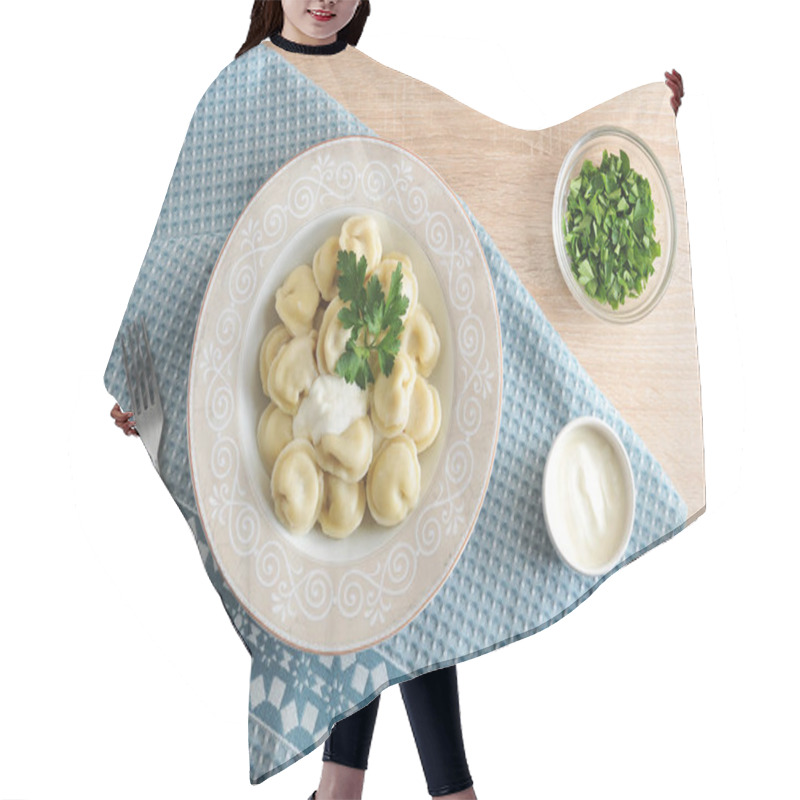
(509, 583)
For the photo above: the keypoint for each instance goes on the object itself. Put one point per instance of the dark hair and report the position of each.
(266, 18)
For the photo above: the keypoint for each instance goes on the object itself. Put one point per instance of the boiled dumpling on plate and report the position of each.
(343, 505)
(332, 338)
(347, 455)
(420, 340)
(393, 481)
(292, 372)
(273, 341)
(425, 414)
(325, 269)
(361, 236)
(385, 270)
(297, 487)
(391, 396)
(297, 299)
(273, 434)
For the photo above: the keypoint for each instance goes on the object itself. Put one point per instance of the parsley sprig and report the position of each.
(374, 320)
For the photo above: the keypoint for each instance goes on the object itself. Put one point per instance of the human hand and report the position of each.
(124, 420)
(675, 82)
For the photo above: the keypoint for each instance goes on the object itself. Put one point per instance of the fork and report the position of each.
(143, 388)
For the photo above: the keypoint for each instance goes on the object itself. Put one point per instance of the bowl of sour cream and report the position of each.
(588, 496)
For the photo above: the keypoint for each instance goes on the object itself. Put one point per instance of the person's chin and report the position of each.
(320, 38)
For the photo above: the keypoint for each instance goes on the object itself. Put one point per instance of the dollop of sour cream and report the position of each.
(587, 498)
(331, 406)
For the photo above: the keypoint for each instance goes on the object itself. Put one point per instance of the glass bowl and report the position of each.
(643, 160)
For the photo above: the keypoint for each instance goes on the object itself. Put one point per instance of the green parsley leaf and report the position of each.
(353, 367)
(351, 279)
(374, 306)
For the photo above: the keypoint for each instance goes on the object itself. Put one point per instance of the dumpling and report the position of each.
(420, 340)
(386, 269)
(343, 506)
(361, 235)
(393, 481)
(324, 268)
(272, 343)
(347, 455)
(297, 299)
(332, 338)
(274, 433)
(297, 487)
(391, 396)
(425, 414)
(292, 372)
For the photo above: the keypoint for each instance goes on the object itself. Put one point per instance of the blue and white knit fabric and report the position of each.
(509, 583)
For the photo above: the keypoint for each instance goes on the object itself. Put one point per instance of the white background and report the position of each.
(120, 675)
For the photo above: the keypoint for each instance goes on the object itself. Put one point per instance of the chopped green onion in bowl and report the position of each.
(609, 229)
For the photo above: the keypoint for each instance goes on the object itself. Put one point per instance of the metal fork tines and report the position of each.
(140, 372)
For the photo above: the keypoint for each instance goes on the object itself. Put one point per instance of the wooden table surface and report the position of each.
(507, 177)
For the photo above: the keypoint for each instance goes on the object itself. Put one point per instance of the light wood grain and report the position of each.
(649, 370)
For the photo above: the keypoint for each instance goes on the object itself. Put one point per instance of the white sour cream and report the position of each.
(588, 495)
(332, 406)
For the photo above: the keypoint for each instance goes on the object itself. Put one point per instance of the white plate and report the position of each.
(316, 593)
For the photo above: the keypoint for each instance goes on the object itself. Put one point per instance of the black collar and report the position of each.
(308, 49)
